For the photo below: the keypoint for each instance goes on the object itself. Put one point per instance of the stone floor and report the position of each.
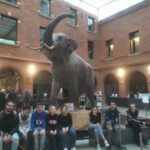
(83, 145)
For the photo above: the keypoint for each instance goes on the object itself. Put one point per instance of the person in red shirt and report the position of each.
(52, 127)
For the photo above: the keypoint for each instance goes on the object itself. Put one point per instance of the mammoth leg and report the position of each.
(73, 94)
(90, 95)
(54, 91)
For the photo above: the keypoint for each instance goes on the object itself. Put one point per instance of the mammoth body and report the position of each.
(70, 71)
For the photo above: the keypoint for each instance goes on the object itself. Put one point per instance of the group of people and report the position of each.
(36, 127)
(112, 125)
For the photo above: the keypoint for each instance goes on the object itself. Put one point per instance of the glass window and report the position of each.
(90, 49)
(11, 1)
(91, 24)
(134, 42)
(109, 48)
(73, 21)
(42, 31)
(45, 7)
(8, 30)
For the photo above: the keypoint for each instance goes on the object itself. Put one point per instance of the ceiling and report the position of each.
(104, 8)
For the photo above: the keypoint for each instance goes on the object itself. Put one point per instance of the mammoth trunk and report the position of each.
(48, 36)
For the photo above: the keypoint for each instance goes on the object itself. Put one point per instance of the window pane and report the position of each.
(134, 42)
(91, 23)
(42, 31)
(11, 1)
(8, 29)
(90, 49)
(73, 21)
(45, 7)
(109, 48)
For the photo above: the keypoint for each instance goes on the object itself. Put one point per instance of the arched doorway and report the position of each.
(42, 84)
(111, 85)
(137, 83)
(10, 80)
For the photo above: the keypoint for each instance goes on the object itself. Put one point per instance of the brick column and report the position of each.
(122, 88)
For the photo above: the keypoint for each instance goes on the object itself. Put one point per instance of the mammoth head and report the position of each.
(56, 45)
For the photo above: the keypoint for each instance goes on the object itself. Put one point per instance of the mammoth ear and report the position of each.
(71, 46)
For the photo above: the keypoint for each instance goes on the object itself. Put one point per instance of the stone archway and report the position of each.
(111, 85)
(138, 83)
(10, 79)
(42, 84)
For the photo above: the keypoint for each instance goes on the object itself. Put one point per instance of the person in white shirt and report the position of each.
(25, 128)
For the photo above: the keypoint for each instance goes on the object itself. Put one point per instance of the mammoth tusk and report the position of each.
(34, 47)
(49, 47)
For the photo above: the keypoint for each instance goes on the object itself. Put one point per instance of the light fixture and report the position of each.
(31, 69)
(148, 69)
(121, 72)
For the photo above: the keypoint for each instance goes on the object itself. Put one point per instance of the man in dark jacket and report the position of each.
(112, 122)
(9, 123)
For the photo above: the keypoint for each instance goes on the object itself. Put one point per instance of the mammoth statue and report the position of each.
(70, 71)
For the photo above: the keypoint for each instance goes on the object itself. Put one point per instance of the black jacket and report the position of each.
(9, 123)
(112, 116)
(65, 121)
(51, 123)
(132, 117)
(95, 119)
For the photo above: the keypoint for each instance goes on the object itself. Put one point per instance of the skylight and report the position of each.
(104, 8)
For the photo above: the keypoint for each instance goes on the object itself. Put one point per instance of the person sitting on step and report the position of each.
(52, 127)
(95, 124)
(65, 122)
(135, 124)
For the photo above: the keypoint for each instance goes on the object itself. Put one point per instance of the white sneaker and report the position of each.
(106, 143)
(73, 148)
(65, 148)
(98, 147)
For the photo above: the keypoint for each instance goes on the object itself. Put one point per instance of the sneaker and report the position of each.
(98, 147)
(106, 143)
(73, 148)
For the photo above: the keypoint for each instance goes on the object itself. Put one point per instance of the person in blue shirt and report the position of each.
(112, 123)
(38, 126)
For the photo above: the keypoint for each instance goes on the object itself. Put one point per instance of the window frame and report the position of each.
(6, 1)
(75, 18)
(49, 10)
(109, 50)
(42, 28)
(92, 50)
(16, 32)
(133, 47)
(93, 24)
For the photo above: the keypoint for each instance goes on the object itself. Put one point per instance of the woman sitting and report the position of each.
(65, 123)
(134, 123)
(52, 127)
(95, 120)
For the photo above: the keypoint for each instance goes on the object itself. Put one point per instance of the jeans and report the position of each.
(97, 130)
(39, 139)
(136, 129)
(64, 138)
(27, 143)
(52, 141)
(15, 142)
(113, 129)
